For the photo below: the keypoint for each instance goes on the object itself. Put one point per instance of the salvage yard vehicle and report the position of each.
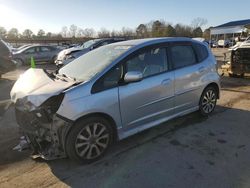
(6, 62)
(68, 55)
(239, 61)
(40, 53)
(113, 92)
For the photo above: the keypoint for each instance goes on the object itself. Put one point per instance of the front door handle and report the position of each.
(166, 82)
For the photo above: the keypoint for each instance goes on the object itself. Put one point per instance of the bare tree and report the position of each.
(127, 32)
(64, 31)
(198, 22)
(73, 29)
(79, 32)
(89, 32)
(103, 33)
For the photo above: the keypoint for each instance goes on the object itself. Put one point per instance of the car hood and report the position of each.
(36, 86)
(68, 51)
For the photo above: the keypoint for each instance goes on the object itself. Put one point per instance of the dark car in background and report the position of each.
(40, 53)
(6, 64)
(68, 55)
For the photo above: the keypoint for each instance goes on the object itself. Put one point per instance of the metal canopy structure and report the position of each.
(231, 27)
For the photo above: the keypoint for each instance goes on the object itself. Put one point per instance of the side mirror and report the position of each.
(133, 76)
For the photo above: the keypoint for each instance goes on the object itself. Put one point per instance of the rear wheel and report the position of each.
(89, 139)
(208, 101)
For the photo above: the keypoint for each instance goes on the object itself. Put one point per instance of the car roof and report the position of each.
(148, 41)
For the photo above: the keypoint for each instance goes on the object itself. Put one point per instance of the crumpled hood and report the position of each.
(64, 52)
(37, 87)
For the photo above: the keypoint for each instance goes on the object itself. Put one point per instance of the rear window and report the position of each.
(201, 51)
(182, 56)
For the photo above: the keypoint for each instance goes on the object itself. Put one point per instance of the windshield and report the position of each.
(88, 65)
(90, 43)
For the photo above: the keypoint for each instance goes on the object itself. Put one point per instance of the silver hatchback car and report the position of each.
(113, 92)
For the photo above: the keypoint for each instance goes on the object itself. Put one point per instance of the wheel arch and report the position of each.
(97, 114)
(214, 85)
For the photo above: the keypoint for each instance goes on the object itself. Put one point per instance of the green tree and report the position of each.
(3, 32)
(41, 33)
(13, 33)
(27, 33)
(206, 33)
(170, 31)
(197, 32)
(158, 29)
(142, 31)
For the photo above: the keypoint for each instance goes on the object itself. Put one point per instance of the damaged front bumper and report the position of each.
(45, 135)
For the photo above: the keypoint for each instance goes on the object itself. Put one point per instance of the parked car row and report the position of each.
(49, 53)
(222, 43)
(112, 92)
(68, 55)
(6, 62)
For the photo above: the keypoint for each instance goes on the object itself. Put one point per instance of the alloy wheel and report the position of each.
(209, 101)
(92, 141)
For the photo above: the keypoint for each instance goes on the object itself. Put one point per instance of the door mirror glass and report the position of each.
(133, 76)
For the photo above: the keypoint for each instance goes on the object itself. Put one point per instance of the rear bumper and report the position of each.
(46, 138)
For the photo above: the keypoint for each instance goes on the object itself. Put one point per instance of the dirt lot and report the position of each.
(191, 151)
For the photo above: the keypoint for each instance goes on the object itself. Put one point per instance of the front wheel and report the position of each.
(89, 139)
(208, 101)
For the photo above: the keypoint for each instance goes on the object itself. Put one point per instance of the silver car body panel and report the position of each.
(134, 106)
(138, 106)
(37, 87)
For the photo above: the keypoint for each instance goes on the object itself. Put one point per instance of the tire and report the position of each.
(89, 139)
(208, 101)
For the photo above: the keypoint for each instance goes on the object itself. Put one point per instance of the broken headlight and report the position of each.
(49, 108)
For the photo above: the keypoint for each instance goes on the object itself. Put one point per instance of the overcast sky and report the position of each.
(51, 15)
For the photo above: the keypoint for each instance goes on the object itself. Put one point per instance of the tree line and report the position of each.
(157, 28)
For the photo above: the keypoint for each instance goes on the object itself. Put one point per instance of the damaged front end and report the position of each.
(43, 129)
(37, 96)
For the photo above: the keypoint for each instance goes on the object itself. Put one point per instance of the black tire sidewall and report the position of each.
(77, 127)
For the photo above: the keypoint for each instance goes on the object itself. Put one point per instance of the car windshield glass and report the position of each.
(88, 65)
(90, 43)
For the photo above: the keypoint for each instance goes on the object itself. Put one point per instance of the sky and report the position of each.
(52, 15)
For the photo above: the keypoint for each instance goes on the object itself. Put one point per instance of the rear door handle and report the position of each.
(166, 82)
(201, 69)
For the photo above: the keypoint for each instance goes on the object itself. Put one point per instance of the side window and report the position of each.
(109, 80)
(30, 50)
(182, 55)
(150, 62)
(201, 51)
(103, 44)
(45, 49)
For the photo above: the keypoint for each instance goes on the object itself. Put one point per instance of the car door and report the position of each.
(45, 53)
(31, 52)
(188, 73)
(150, 100)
